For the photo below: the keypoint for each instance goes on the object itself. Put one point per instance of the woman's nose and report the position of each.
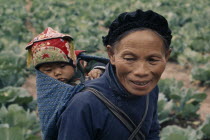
(141, 69)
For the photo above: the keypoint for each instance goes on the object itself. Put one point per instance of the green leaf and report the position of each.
(16, 133)
(175, 97)
(205, 127)
(174, 132)
(12, 69)
(17, 116)
(189, 110)
(4, 132)
(166, 88)
(34, 138)
(7, 96)
(15, 95)
(199, 97)
(202, 74)
(164, 108)
(12, 133)
(206, 130)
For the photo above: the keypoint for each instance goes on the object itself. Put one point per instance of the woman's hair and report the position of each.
(166, 45)
(138, 20)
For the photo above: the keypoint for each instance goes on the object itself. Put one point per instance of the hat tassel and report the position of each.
(29, 58)
(72, 53)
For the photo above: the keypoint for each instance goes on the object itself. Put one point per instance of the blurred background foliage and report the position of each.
(87, 22)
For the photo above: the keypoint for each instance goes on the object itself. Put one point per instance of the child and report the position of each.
(51, 48)
(56, 64)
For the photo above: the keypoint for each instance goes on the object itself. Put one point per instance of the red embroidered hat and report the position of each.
(51, 46)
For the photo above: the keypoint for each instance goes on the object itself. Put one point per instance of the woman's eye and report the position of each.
(129, 59)
(152, 60)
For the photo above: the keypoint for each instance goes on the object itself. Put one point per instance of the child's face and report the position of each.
(60, 71)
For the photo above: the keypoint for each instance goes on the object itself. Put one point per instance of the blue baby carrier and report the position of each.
(52, 99)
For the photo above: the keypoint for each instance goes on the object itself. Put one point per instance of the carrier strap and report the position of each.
(122, 116)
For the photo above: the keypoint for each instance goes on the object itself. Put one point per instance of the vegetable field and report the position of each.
(87, 22)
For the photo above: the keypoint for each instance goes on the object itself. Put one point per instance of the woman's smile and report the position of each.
(141, 84)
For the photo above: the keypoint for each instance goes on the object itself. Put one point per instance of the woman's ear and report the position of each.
(110, 52)
(168, 52)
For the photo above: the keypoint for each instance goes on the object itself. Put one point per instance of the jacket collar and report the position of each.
(114, 82)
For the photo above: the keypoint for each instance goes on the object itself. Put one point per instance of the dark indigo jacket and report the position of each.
(87, 118)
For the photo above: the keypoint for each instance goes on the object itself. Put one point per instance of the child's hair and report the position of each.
(51, 46)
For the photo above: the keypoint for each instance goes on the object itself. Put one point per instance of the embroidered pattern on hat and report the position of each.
(49, 54)
(48, 34)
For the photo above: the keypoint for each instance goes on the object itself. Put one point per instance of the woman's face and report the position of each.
(140, 59)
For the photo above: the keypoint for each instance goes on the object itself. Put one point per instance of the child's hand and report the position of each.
(95, 73)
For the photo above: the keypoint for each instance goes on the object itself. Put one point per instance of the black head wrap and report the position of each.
(137, 19)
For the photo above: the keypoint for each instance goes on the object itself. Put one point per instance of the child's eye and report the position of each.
(62, 65)
(48, 70)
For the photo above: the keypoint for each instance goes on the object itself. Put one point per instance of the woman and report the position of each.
(138, 47)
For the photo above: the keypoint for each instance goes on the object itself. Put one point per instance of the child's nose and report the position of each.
(57, 72)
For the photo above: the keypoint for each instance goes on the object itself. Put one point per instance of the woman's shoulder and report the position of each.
(84, 99)
(154, 93)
